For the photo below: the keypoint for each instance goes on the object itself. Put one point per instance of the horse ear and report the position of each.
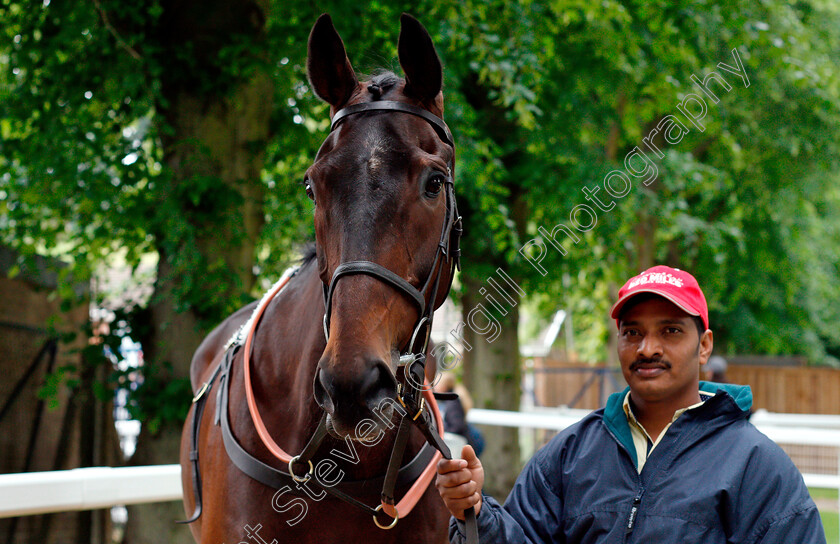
(419, 60)
(330, 72)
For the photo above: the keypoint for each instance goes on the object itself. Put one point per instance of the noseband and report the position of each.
(448, 245)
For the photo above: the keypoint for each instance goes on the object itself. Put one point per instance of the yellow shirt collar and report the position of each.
(641, 440)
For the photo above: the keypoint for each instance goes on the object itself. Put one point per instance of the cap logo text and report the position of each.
(656, 277)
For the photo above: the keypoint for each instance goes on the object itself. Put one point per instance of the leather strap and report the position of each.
(198, 411)
(260, 471)
(315, 440)
(471, 525)
(421, 468)
(276, 479)
(269, 442)
(390, 105)
(397, 453)
(371, 269)
(470, 521)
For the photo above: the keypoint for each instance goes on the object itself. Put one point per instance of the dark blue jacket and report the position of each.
(713, 478)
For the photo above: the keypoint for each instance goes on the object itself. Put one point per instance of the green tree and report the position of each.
(552, 96)
(182, 129)
(140, 128)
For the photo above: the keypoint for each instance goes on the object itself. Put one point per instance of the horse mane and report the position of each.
(308, 254)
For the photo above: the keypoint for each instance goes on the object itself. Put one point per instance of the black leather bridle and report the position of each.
(448, 245)
(413, 357)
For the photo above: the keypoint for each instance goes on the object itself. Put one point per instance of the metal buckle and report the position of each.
(417, 328)
(420, 411)
(407, 359)
(400, 399)
(386, 527)
(292, 472)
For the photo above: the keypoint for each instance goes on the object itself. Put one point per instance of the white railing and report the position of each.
(810, 430)
(87, 489)
(103, 487)
(814, 421)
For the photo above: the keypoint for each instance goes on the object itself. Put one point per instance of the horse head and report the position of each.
(382, 187)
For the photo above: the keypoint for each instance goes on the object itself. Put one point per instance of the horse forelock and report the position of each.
(382, 83)
(386, 85)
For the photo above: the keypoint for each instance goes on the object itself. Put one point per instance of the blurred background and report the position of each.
(151, 159)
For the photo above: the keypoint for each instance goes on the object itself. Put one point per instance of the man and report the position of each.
(670, 459)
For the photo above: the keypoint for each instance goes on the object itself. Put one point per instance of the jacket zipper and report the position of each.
(634, 511)
(637, 500)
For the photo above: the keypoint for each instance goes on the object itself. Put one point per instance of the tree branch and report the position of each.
(131, 51)
(611, 149)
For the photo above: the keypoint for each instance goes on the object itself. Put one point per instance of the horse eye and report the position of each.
(434, 185)
(308, 185)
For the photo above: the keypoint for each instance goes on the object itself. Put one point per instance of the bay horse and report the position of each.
(329, 365)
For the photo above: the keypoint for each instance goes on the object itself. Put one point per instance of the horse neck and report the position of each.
(288, 345)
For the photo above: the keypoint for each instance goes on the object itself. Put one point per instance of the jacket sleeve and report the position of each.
(774, 506)
(532, 513)
(803, 527)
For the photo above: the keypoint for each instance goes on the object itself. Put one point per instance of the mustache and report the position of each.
(644, 361)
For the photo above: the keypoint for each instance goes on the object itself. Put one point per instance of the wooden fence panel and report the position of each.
(787, 389)
(798, 390)
(577, 385)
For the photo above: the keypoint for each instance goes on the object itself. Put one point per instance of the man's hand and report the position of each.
(459, 482)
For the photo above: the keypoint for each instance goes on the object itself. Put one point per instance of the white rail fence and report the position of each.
(103, 487)
(87, 489)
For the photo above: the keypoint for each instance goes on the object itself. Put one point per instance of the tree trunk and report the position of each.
(492, 374)
(213, 141)
(492, 370)
(645, 240)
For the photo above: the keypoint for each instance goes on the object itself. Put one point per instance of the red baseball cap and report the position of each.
(671, 283)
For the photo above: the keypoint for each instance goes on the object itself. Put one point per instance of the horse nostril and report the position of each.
(322, 394)
(379, 383)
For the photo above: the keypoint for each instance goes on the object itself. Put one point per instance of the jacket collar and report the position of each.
(741, 394)
(726, 393)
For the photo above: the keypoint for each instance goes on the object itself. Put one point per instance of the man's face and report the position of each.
(661, 352)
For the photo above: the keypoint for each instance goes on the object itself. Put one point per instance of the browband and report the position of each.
(391, 105)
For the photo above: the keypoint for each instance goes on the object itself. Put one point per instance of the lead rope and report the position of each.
(416, 372)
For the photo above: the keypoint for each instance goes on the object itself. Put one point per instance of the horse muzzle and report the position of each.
(353, 399)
